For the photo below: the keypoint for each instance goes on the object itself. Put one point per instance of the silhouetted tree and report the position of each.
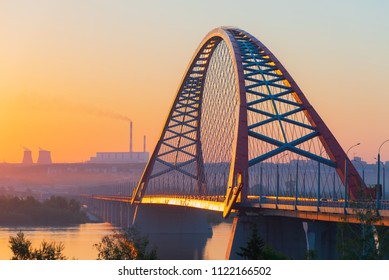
(257, 249)
(22, 249)
(29, 211)
(254, 247)
(311, 255)
(49, 251)
(20, 246)
(270, 254)
(125, 245)
(363, 241)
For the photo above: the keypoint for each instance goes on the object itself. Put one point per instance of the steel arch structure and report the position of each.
(264, 111)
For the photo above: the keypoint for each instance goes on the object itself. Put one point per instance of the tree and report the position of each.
(254, 247)
(363, 241)
(257, 249)
(125, 245)
(49, 251)
(22, 249)
(20, 246)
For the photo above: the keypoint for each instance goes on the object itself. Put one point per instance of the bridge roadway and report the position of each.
(306, 208)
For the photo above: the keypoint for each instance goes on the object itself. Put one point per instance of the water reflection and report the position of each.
(79, 240)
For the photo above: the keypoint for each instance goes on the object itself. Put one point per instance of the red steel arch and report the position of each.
(245, 51)
(239, 162)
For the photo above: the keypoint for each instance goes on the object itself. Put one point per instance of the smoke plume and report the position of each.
(55, 103)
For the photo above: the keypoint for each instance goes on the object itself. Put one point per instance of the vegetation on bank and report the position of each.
(22, 249)
(31, 212)
(257, 249)
(127, 244)
(364, 240)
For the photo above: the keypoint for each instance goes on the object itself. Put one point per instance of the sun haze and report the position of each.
(73, 73)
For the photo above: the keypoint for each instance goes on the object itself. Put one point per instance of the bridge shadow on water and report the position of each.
(179, 233)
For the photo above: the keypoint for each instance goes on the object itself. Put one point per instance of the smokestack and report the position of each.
(130, 136)
(144, 143)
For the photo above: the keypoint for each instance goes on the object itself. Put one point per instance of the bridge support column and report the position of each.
(123, 212)
(177, 232)
(284, 235)
(322, 239)
(125, 215)
(111, 212)
(105, 210)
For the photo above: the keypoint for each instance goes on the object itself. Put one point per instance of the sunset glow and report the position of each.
(73, 74)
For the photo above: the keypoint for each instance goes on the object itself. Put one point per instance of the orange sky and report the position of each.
(70, 71)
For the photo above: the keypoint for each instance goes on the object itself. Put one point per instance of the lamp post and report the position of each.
(383, 181)
(346, 176)
(296, 187)
(319, 183)
(278, 179)
(378, 174)
(260, 186)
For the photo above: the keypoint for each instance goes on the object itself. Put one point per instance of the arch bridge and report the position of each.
(241, 136)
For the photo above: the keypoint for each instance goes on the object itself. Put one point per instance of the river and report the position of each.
(79, 240)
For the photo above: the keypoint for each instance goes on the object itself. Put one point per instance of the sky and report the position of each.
(73, 73)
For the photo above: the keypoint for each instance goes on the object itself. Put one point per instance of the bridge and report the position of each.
(241, 137)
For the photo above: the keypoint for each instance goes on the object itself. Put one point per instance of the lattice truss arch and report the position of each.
(179, 148)
(273, 116)
(277, 116)
(181, 137)
(270, 86)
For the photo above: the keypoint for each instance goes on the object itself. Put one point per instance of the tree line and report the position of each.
(29, 211)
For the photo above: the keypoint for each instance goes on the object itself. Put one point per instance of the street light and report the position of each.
(296, 186)
(319, 182)
(378, 174)
(346, 176)
(278, 178)
(353, 147)
(383, 181)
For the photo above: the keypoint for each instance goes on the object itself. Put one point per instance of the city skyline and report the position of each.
(73, 74)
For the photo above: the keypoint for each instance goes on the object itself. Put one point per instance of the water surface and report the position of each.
(79, 239)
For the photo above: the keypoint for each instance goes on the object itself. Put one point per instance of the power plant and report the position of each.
(44, 157)
(27, 157)
(122, 157)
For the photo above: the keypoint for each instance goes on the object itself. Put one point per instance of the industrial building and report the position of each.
(27, 157)
(122, 157)
(44, 157)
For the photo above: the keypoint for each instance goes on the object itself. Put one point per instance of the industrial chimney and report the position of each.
(44, 157)
(144, 143)
(27, 157)
(130, 136)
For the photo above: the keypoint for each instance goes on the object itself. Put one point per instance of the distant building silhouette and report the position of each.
(122, 157)
(44, 157)
(27, 157)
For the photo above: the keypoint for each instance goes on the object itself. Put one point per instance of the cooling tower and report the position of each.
(44, 157)
(27, 157)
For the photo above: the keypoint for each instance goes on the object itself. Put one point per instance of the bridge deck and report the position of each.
(332, 211)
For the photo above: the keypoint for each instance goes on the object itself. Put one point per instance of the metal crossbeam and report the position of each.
(237, 120)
